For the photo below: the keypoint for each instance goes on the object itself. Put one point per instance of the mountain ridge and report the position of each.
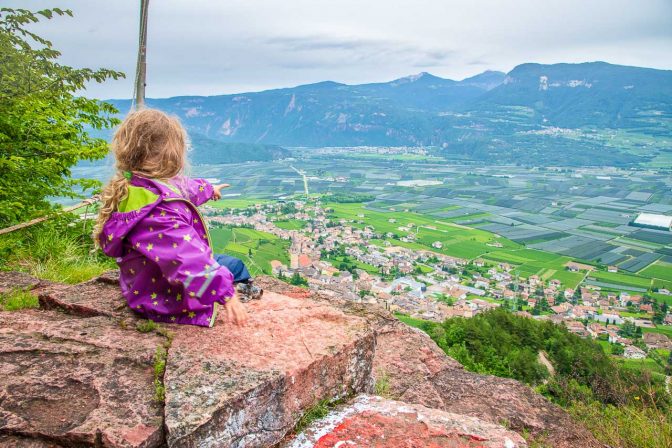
(468, 78)
(494, 115)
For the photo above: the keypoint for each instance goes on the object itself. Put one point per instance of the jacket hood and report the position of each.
(143, 196)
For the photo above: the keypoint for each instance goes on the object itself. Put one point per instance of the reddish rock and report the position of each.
(76, 381)
(280, 287)
(10, 281)
(247, 386)
(109, 277)
(418, 372)
(374, 422)
(22, 442)
(82, 379)
(98, 297)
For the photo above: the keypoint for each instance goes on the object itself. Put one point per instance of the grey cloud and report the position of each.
(306, 51)
(312, 43)
(211, 47)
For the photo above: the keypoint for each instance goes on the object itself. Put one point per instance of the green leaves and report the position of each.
(43, 123)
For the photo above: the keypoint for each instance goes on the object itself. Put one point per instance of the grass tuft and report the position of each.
(533, 442)
(315, 412)
(54, 250)
(146, 326)
(18, 300)
(382, 386)
(626, 426)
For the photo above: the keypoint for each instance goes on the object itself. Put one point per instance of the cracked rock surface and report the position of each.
(74, 381)
(77, 373)
(247, 386)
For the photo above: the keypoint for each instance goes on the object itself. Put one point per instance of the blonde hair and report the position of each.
(148, 143)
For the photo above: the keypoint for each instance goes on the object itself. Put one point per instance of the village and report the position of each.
(341, 260)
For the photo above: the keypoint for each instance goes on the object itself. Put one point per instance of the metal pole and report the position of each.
(141, 71)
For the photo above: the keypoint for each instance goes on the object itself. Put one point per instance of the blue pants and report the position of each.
(236, 266)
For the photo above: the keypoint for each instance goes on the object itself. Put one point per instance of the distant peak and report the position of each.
(417, 76)
(424, 76)
(488, 80)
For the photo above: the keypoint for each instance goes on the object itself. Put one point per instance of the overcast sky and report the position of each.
(200, 47)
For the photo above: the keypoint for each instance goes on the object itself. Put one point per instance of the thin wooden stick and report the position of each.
(86, 202)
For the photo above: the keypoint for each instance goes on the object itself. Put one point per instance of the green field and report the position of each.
(662, 298)
(641, 365)
(458, 241)
(336, 261)
(238, 242)
(662, 329)
(236, 203)
(411, 321)
(290, 225)
(659, 269)
(618, 278)
(388, 157)
(657, 283)
(529, 262)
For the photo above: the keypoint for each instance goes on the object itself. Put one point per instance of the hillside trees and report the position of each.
(43, 120)
(500, 343)
(623, 407)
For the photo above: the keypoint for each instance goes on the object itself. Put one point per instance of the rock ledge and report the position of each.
(77, 372)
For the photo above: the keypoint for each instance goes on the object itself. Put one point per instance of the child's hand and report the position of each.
(235, 311)
(217, 191)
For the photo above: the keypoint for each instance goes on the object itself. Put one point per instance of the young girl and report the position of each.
(148, 220)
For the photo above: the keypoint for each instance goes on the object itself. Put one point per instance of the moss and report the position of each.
(18, 299)
(160, 357)
(146, 326)
(169, 335)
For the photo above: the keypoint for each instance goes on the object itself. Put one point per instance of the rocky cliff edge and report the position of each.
(83, 370)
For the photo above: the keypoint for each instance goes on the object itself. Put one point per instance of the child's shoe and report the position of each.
(249, 291)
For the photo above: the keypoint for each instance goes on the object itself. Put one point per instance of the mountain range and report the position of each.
(561, 113)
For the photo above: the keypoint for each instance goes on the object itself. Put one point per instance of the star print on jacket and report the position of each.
(159, 236)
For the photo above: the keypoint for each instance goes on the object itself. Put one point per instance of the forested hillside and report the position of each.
(563, 114)
(582, 377)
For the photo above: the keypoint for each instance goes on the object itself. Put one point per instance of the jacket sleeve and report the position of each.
(168, 237)
(198, 191)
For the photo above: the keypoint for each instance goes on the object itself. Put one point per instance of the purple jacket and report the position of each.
(162, 247)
